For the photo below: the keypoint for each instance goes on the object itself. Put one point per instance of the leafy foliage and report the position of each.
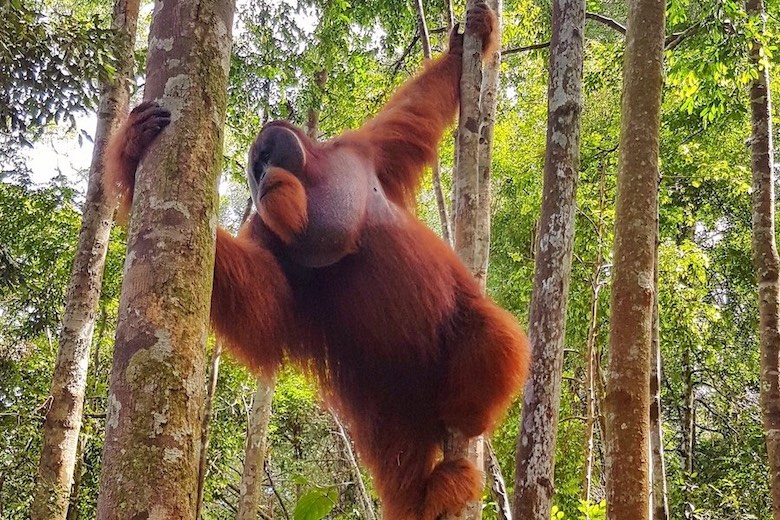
(50, 67)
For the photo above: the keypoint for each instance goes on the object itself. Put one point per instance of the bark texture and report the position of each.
(488, 104)
(535, 458)
(497, 485)
(254, 454)
(627, 402)
(466, 181)
(466, 190)
(765, 256)
(63, 419)
(155, 402)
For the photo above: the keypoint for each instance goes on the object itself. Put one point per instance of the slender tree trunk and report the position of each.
(150, 462)
(689, 413)
(254, 454)
(208, 414)
(366, 504)
(63, 419)
(466, 190)
(73, 503)
(534, 476)
(313, 113)
(450, 15)
(466, 181)
(628, 392)
(765, 257)
(497, 485)
(488, 105)
(590, 380)
(659, 502)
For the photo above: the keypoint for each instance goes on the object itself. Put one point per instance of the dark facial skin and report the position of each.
(275, 146)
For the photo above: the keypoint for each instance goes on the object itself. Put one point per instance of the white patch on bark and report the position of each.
(159, 420)
(163, 349)
(172, 455)
(177, 90)
(158, 203)
(114, 406)
(165, 44)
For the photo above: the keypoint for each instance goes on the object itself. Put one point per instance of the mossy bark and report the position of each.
(153, 430)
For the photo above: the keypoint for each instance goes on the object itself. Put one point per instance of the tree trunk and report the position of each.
(659, 501)
(313, 114)
(254, 454)
(765, 257)
(63, 419)
(466, 181)
(496, 484)
(365, 500)
(488, 105)
(590, 381)
(208, 413)
(73, 502)
(534, 476)
(466, 190)
(150, 462)
(689, 414)
(594, 388)
(628, 394)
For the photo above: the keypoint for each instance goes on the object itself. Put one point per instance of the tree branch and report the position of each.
(609, 22)
(518, 50)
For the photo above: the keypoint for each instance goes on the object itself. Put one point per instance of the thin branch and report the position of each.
(276, 493)
(400, 61)
(609, 22)
(518, 50)
(675, 39)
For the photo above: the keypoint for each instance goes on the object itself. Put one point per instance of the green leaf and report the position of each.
(316, 504)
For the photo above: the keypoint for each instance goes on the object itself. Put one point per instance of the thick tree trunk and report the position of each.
(254, 454)
(208, 413)
(535, 463)
(63, 419)
(150, 462)
(628, 381)
(765, 257)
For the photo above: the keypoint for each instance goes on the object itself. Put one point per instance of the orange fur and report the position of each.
(284, 207)
(390, 321)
